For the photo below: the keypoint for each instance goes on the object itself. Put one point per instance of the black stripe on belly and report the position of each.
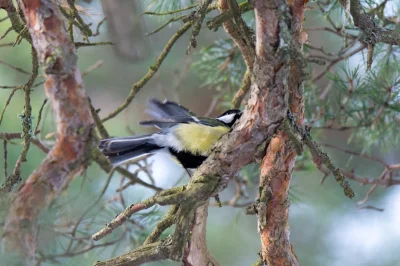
(188, 160)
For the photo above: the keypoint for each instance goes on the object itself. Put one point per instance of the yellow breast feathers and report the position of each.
(199, 139)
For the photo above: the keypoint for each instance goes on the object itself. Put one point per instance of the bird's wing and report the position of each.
(168, 114)
(163, 124)
(168, 110)
(182, 120)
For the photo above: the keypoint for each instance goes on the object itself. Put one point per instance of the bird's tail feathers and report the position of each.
(119, 158)
(121, 144)
(119, 150)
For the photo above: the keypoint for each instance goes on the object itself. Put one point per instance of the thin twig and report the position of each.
(104, 163)
(299, 136)
(241, 93)
(97, 32)
(200, 14)
(153, 69)
(15, 177)
(120, 219)
(90, 207)
(40, 115)
(15, 68)
(5, 33)
(5, 158)
(4, 19)
(91, 68)
(100, 127)
(164, 25)
(356, 154)
(87, 44)
(6, 44)
(337, 60)
(170, 12)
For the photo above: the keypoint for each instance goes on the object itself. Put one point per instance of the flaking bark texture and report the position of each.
(278, 163)
(276, 173)
(69, 155)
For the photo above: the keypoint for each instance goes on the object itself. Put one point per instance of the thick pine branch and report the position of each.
(279, 54)
(69, 156)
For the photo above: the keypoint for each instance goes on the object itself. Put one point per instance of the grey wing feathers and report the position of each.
(165, 124)
(120, 150)
(168, 114)
(168, 110)
(117, 159)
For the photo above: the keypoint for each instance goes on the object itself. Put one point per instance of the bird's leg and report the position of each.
(188, 172)
(217, 200)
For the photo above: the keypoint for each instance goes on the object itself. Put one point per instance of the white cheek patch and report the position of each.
(227, 118)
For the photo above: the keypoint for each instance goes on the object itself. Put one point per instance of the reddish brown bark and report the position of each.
(278, 163)
(276, 173)
(4, 3)
(70, 154)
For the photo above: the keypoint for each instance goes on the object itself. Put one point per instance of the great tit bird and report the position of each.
(186, 137)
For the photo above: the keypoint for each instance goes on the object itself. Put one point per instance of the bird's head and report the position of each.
(229, 117)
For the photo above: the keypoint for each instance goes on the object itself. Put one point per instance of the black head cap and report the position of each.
(229, 117)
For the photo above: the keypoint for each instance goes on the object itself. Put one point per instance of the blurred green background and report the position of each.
(326, 228)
